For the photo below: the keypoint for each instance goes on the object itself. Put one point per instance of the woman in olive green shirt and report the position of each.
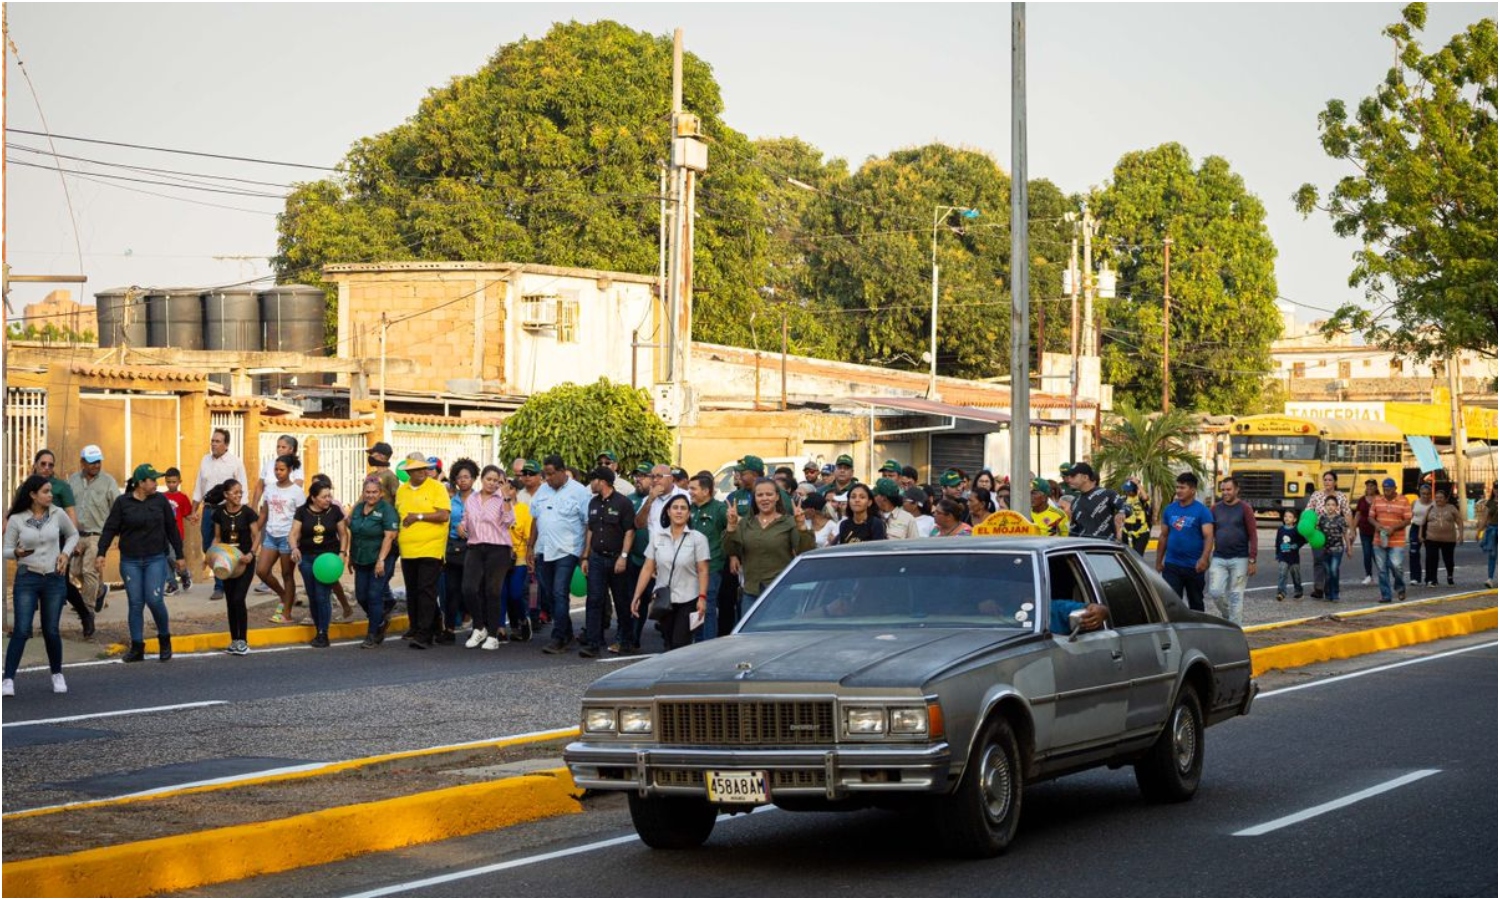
(766, 541)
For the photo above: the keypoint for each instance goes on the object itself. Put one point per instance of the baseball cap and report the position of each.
(531, 467)
(844, 460)
(885, 487)
(679, 473)
(145, 471)
(749, 463)
(950, 478)
(890, 465)
(1389, 482)
(917, 496)
(603, 473)
(840, 498)
(1041, 485)
(1083, 468)
(827, 469)
(415, 460)
(644, 468)
(909, 472)
(1064, 468)
(92, 454)
(383, 449)
(609, 455)
(810, 466)
(1130, 487)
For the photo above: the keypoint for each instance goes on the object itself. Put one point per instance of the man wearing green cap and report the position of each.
(843, 476)
(899, 524)
(1044, 514)
(952, 483)
(890, 469)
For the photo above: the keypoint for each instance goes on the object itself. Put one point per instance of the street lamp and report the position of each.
(939, 215)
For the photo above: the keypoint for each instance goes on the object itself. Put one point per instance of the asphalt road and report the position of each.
(1367, 778)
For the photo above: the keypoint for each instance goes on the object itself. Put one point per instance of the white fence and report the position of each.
(234, 423)
(25, 434)
(447, 442)
(340, 456)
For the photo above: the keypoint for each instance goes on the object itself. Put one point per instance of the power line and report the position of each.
(179, 185)
(151, 169)
(248, 159)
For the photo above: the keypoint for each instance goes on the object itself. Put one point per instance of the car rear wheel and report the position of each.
(1171, 769)
(672, 823)
(980, 819)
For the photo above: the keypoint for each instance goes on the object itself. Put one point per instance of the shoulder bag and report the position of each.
(661, 598)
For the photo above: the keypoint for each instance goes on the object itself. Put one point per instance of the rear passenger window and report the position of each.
(1121, 594)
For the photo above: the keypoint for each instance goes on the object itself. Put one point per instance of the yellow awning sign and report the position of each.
(1006, 522)
(1435, 420)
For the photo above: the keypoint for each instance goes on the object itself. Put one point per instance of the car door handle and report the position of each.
(1116, 655)
(1166, 644)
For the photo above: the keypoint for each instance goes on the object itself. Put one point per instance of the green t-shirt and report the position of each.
(642, 540)
(367, 531)
(62, 495)
(710, 520)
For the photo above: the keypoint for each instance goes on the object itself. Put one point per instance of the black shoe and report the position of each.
(165, 643)
(1450, 579)
(555, 646)
(369, 643)
(1401, 595)
(408, 634)
(418, 642)
(99, 600)
(187, 580)
(445, 637)
(1297, 596)
(320, 641)
(1317, 595)
(588, 652)
(136, 653)
(526, 630)
(87, 615)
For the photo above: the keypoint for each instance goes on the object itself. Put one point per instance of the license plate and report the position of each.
(737, 786)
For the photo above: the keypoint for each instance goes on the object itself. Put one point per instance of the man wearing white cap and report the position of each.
(94, 492)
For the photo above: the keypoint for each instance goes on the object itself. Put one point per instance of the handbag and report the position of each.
(661, 598)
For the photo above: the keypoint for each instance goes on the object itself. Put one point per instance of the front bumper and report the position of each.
(831, 772)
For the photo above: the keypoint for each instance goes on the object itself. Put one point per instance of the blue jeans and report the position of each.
(605, 588)
(1284, 570)
(1389, 562)
(33, 589)
(319, 595)
(513, 596)
(1228, 576)
(145, 578)
(554, 578)
(1333, 558)
(207, 530)
(710, 627)
(1367, 544)
(370, 585)
(1489, 545)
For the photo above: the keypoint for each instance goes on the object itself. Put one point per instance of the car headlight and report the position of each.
(635, 720)
(911, 720)
(599, 720)
(865, 720)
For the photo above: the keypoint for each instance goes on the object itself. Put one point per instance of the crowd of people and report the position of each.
(504, 550)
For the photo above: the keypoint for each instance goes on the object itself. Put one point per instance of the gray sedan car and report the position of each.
(939, 676)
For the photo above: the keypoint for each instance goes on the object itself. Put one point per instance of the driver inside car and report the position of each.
(1094, 615)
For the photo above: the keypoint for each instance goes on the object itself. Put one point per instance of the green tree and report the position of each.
(1149, 447)
(1423, 200)
(548, 154)
(577, 421)
(1223, 281)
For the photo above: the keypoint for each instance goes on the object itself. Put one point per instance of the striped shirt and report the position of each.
(488, 518)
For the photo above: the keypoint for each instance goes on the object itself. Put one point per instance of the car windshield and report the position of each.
(901, 590)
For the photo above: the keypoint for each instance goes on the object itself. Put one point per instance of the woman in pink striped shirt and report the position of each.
(486, 525)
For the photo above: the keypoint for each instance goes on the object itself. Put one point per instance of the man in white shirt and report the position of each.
(217, 467)
(662, 489)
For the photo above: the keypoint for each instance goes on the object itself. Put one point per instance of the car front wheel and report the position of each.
(980, 819)
(1171, 769)
(672, 823)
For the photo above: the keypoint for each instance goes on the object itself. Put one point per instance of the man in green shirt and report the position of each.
(843, 476)
(94, 491)
(709, 517)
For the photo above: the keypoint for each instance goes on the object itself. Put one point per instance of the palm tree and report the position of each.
(1149, 447)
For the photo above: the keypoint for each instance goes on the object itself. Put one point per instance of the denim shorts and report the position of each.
(281, 545)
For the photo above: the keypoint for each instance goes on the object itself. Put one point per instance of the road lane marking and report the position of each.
(118, 712)
(1363, 672)
(517, 863)
(1340, 803)
(202, 654)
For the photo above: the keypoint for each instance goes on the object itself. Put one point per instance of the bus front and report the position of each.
(1276, 460)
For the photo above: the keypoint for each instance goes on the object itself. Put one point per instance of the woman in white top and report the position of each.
(39, 537)
(824, 527)
(916, 502)
(678, 558)
(278, 506)
(286, 445)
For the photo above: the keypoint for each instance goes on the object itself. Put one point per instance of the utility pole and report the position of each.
(1090, 333)
(1166, 326)
(689, 158)
(783, 356)
(1073, 342)
(1460, 439)
(1020, 261)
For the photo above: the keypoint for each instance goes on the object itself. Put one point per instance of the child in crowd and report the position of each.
(1289, 556)
(182, 505)
(1334, 526)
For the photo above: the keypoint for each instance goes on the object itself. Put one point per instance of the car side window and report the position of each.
(1121, 594)
(1067, 580)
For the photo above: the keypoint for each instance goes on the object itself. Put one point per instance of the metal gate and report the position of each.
(957, 451)
(25, 434)
(447, 442)
(341, 456)
(234, 423)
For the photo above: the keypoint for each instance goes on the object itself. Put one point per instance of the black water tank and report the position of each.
(231, 320)
(121, 316)
(174, 318)
(293, 319)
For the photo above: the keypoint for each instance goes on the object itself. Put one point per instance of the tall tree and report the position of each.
(1223, 282)
(1423, 200)
(1149, 447)
(548, 154)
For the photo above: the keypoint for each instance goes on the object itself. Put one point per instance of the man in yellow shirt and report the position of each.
(1047, 517)
(424, 507)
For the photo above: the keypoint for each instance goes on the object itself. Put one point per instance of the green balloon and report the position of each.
(328, 567)
(1308, 522)
(580, 584)
(1317, 539)
(401, 475)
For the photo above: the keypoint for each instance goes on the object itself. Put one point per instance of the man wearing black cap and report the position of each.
(1098, 512)
(843, 476)
(611, 461)
(606, 548)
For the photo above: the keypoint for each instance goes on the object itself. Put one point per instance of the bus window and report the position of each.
(1269, 446)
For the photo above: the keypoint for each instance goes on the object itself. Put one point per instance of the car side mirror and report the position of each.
(1075, 624)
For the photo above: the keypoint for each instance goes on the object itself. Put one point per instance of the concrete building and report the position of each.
(60, 309)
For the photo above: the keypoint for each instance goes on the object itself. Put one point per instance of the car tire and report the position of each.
(672, 823)
(1171, 769)
(980, 818)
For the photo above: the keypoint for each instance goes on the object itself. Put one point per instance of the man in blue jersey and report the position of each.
(1187, 541)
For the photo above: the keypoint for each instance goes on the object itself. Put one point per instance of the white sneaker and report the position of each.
(59, 684)
(491, 644)
(1366, 581)
(8, 688)
(476, 637)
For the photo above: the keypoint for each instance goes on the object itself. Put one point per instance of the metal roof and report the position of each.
(938, 408)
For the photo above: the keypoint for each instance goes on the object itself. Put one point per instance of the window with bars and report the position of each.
(567, 321)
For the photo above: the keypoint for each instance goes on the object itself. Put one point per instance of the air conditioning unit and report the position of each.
(538, 312)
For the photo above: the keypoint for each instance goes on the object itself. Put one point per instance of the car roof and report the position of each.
(970, 544)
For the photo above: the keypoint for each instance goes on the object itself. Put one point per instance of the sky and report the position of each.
(302, 82)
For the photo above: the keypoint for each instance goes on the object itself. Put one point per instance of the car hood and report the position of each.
(748, 663)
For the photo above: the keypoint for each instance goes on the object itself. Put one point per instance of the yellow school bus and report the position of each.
(1279, 460)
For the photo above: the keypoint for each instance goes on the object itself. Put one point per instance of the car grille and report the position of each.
(746, 722)
(780, 778)
(1261, 485)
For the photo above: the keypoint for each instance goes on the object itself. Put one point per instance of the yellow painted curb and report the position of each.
(259, 637)
(1344, 646)
(1366, 611)
(329, 769)
(191, 860)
